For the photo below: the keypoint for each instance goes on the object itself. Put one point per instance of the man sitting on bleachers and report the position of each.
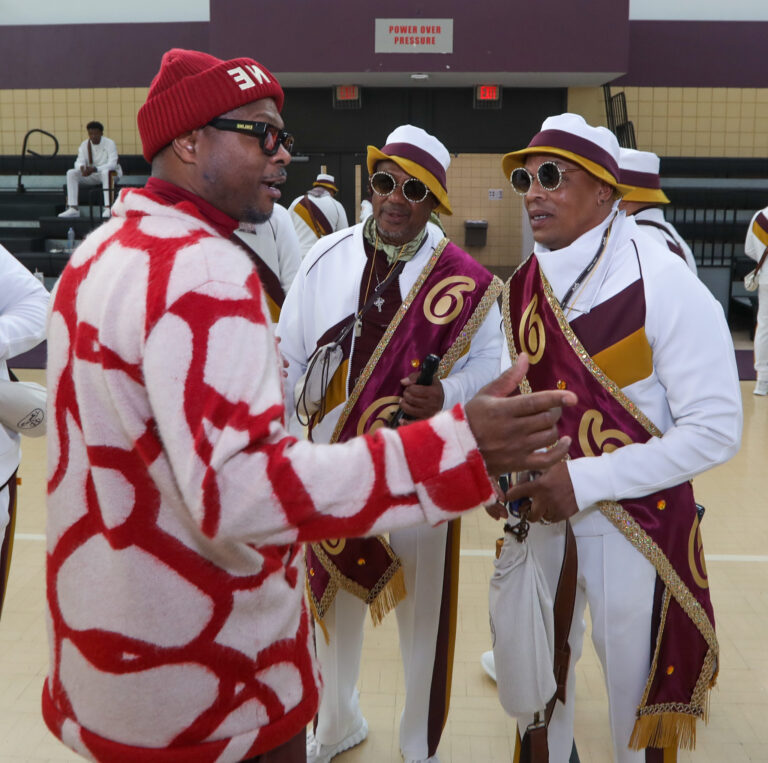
(96, 159)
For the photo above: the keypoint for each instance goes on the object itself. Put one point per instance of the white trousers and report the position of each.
(761, 333)
(617, 582)
(75, 179)
(422, 552)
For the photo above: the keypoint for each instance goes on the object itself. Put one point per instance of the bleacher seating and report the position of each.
(712, 202)
(29, 206)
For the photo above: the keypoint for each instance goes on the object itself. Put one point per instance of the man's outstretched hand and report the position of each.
(510, 430)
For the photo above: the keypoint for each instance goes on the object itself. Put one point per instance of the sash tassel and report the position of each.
(386, 598)
(392, 593)
(666, 729)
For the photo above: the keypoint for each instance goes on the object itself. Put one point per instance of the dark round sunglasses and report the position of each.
(270, 137)
(549, 174)
(413, 190)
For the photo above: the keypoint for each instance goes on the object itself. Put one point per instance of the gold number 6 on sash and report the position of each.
(377, 414)
(446, 299)
(531, 334)
(592, 424)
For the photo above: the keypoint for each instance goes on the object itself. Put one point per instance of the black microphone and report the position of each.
(426, 375)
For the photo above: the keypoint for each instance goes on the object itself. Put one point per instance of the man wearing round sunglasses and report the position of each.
(604, 310)
(389, 291)
(316, 213)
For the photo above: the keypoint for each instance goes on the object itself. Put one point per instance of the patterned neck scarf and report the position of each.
(393, 252)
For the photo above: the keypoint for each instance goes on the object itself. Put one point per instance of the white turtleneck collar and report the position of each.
(563, 266)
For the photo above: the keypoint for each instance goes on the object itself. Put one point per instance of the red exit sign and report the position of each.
(488, 92)
(347, 92)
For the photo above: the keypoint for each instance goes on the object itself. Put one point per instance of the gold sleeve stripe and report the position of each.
(627, 361)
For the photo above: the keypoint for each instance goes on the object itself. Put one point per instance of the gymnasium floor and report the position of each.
(736, 540)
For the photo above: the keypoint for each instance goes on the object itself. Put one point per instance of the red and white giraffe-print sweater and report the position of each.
(177, 502)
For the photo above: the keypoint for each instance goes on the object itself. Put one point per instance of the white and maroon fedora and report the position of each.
(640, 171)
(568, 135)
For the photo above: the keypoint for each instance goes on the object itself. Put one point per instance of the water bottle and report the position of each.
(40, 276)
(70, 240)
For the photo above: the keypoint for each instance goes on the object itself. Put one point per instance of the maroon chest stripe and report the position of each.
(612, 320)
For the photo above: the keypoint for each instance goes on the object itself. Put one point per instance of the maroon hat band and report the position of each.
(418, 155)
(576, 145)
(640, 179)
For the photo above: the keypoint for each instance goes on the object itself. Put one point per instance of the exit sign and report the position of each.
(487, 97)
(346, 97)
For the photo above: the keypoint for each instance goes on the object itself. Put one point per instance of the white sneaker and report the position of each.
(70, 212)
(322, 753)
(432, 759)
(105, 212)
(489, 664)
(761, 388)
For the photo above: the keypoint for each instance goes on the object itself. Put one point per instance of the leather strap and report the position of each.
(534, 747)
(762, 260)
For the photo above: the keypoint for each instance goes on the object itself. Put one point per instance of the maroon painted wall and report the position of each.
(697, 54)
(338, 36)
(324, 35)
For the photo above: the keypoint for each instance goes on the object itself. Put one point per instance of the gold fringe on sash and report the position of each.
(676, 730)
(389, 597)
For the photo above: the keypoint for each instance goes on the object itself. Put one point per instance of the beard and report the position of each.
(255, 216)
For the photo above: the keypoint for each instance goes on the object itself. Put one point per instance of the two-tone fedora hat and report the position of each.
(640, 171)
(324, 180)
(570, 137)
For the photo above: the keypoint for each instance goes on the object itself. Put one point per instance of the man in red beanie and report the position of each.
(177, 502)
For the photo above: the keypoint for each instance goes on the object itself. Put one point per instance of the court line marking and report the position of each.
(489, 552)
(709, 557)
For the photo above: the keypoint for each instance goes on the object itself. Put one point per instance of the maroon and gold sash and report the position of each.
(664, 526)
(273, 289)
(440, 315)
(313, 216)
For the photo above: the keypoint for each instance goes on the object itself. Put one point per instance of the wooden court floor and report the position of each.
(736, 541)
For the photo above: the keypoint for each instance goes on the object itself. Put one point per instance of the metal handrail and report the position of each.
(24, 151)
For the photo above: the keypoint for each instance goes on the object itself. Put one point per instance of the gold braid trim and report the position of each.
(384, 341)
(315, 615)
(459, 347)
(388, 592)
(525, 385)
(655, 660)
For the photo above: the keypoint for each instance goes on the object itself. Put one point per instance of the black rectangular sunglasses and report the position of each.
(270, 137)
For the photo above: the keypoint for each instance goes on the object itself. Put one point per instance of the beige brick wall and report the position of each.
(470, 178)
(65, 112)
(704, 121)
(668, 121)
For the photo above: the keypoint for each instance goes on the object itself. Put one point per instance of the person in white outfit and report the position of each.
(274, 248)
(96, 159)
(603, 310)
(408, 292)
(639, 171)
(755, 246)
(317, 213)
(23, 308)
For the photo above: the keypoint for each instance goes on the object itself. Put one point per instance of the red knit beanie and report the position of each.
(192, 88)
